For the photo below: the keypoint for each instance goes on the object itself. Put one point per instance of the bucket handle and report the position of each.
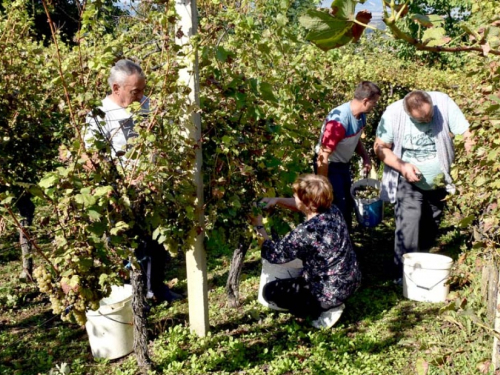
(119, 305)
(114, 320)
(424, 287)
(286, 278)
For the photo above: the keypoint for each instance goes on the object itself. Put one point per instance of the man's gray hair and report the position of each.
(124, 68)
(415, 100)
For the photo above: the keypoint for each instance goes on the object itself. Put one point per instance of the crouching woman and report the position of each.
(331, 272)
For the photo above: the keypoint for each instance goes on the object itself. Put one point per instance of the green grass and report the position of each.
(380, 331)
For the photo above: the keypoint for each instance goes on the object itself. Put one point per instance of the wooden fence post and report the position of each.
(491, 295)
(195, 254)
(493, 306)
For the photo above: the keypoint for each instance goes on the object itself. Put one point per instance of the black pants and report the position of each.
(418, 213)
(295, 296)
(339, 175)
(150, 251)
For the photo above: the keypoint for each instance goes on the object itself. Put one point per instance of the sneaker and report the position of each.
(328, 318)
(398, 281)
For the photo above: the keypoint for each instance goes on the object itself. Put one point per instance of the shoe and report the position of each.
(328, 318)
(398, 281)
(165, 294)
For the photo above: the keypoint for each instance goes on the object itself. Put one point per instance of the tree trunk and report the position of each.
(233, 279)
(27, 271)
(140, 332)
(27, 210)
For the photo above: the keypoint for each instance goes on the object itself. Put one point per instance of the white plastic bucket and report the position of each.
(271, 272)
(110, 328)
(369, 212)
(425, 276)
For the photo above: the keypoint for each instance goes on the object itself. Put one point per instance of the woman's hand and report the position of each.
(269, 203)
(255, 220)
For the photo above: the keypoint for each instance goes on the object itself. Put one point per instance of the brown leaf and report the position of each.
(364, 17)
(461, 259)
(179, 34)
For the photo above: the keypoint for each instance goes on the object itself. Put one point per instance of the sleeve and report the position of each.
(89, 130)
(384, 130)
(94, 127)
(333, 134)
(456, 119)
(286, 249)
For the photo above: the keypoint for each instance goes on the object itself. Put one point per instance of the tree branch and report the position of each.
(399, 34)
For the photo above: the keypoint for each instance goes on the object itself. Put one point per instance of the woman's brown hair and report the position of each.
(314, 191)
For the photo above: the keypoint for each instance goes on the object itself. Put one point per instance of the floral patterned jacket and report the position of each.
(323, 244)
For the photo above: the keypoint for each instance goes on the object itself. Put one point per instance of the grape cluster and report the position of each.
(44, 279)
(67, 296)
(366, 192)
(57, 306)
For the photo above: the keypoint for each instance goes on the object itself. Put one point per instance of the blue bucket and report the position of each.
(369, 212)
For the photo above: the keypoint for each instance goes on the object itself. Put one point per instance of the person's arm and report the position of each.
(322, 161)
(285, 250)
(334, 133)
(283, 202)
(384, 152)
(459, 124)
(271, 202)
(468, 141)
(259, 227)
(361, 151)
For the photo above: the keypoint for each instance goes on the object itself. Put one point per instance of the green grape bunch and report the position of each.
(366, 192)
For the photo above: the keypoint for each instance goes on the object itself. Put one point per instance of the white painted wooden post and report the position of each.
(494, 304)
(195, 255)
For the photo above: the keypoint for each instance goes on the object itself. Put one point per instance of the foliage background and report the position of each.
(264, 94)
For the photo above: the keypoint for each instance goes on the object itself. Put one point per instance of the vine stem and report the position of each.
(364, 25)
(21, 228)
(401, 10)
(59, 68)
(397, 33)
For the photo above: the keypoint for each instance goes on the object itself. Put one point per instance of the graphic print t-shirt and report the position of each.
(419, 145)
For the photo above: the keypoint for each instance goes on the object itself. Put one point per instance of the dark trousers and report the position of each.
(295, 296)
(153, 260)
(417, 213)
(339, 175)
